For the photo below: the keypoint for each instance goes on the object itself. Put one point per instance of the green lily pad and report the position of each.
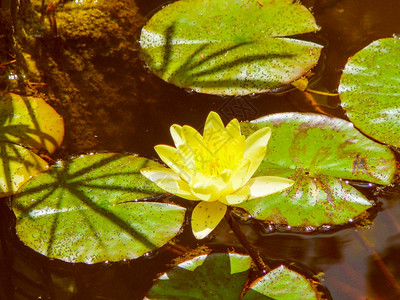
(18, 164)
(317, 152)
(282, 284)
(220, 276)
(26, 123)
(83, 210)
(213, 276)
(230, 47)
(370, 90)
(30, 122)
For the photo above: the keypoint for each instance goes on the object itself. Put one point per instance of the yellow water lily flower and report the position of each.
(215, 169)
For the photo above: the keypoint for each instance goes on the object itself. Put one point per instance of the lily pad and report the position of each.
(26, 123)
(83, 210)
(213, 276)
(370, 90)
(317, 152)
(18, 164)
(30, 122)
(220, 276)
(282, 284)
(230, 47)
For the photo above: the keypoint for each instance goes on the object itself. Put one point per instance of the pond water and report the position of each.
(353, 263)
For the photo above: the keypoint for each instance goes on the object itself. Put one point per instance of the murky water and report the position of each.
(352, 263)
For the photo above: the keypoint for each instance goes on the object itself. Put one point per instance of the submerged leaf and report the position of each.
(230, 47)
(317, 151)
(370, 90)
(83, 210)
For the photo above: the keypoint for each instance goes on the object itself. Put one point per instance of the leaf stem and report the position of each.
(260, 264)
(389, 276)
(321, 93)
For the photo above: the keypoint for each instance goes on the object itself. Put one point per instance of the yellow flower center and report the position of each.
(215, 163)
(215, 167)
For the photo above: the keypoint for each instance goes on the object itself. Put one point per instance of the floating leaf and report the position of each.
(17, 166)
(224, 276)
(230, 47)
(370, 90)
(212, 276)
(282, 284)
(317, 151)
(30, 122)
(78, 210)
(26, 123)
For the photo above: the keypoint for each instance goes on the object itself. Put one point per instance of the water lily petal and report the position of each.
(192, 137)
(239, 196)
(267, 185)
(256, 148)
(173, 159)
(176, 133)
(239, 177)
(226, 175)
(213, 124)
(169, 181)
(215, 168)
(257, 142)
(190, 157)
(233, 129)
(205, 217)
(205, 189)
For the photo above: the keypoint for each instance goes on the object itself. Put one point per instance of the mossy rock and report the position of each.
(88, 67)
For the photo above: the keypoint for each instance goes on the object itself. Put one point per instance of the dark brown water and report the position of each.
(352, 263)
